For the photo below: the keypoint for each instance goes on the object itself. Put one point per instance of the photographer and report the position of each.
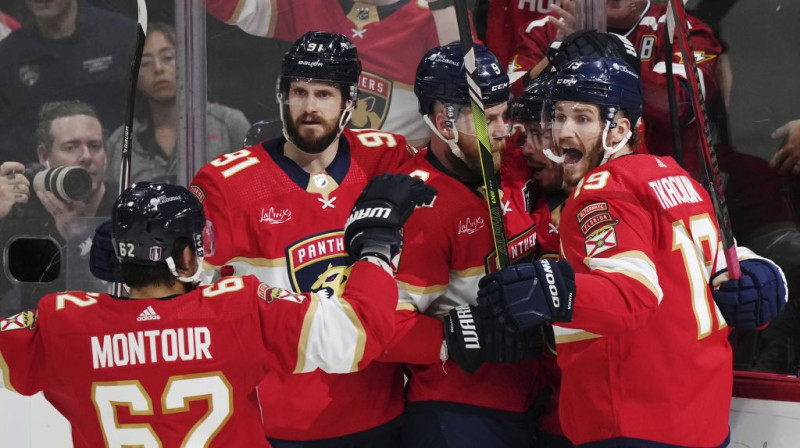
(69, 134)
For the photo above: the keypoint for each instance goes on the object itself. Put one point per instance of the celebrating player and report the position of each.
(278, 210)
(447, 248)
(637, 324)
(178, 365)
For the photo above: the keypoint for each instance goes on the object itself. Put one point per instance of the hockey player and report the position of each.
(278, 210)
(447, 248)
(642, 23)
(177, 365)
(641, 343)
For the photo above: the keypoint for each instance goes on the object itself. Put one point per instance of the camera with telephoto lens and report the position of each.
(67, 183)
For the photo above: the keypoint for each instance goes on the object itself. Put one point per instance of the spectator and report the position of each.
(69, 134)
(154, 152)
(70, 50)
(391, 36)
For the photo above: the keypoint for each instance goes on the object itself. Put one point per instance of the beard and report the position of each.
(311, 143)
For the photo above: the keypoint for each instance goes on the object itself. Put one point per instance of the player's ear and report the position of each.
(439, 118)
(620, 131)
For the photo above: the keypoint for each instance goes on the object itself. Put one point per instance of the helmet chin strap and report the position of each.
(452, 143)
(194, 279)
(609, 150)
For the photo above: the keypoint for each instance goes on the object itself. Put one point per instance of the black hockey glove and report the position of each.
(473, 336)
(527, 295)
(103, 261)
(379, 213)
(756, 298)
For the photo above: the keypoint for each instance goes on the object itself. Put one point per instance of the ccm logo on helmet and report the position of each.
(551, 283)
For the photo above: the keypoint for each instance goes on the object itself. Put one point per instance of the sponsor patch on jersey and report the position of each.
(269, 294)
(19, 321)
(520, 247)
(310, 257)
(197, 192)
(470, 226)
(372, 107)
(593, 217)
(601, 240)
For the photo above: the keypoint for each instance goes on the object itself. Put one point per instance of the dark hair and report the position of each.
(138, 275)
(141, 109)
(60, 109)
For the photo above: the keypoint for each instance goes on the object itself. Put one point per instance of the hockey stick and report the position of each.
(485, 147)
(676, 20)
(127, 135)
(677, 144)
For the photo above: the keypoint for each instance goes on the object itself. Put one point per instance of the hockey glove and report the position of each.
(473, 336)
(756, 298)
(103, 261)
(529, 294)
(379, 213)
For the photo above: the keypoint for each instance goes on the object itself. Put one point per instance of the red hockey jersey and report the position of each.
(647, 35)
(272, 219)
(447, 248)
(391, 41)
(646, 355)
(183, 371)
(505, 18)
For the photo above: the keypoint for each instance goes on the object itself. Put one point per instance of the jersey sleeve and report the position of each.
(208, 186)
(417, 338)
(611, 250)
(379, 152)
(256, 17)
(22, 354)
(320, 330)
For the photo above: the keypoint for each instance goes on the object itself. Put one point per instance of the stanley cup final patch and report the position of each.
(597, 227)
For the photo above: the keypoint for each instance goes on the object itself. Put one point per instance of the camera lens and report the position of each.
(67, 183)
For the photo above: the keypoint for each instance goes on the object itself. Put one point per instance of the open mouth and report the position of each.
(572, 156)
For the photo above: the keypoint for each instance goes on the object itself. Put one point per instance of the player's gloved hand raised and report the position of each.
(529, 294)
(756, 298)
(103, 261)
(472, 336)
(379, 213)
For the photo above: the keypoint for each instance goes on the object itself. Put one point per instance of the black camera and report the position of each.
(67, 183)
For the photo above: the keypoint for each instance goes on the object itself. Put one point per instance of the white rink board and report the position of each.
(764, 423)
(30, 422)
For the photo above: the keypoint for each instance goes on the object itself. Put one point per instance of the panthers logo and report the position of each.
(375, 93)
(332, 281)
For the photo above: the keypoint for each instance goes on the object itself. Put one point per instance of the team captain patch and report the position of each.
(597, 227)
(25, 319)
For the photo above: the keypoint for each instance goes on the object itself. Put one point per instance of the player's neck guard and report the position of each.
(194, 279)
